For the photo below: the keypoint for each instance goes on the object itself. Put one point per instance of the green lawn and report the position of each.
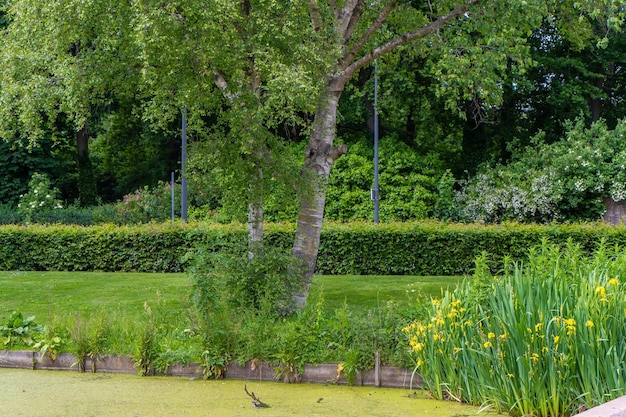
(367, 291)
(49, 294)
(52, 294)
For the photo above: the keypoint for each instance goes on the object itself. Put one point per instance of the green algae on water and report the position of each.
(26, 393)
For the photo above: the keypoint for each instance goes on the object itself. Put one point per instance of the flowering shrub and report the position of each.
(545, 339)
(148, 204)
(40, 198)
(509, 194)
(565, 180)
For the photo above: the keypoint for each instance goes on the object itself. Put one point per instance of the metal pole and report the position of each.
(183, 168)
(173, 197)
(375, 189)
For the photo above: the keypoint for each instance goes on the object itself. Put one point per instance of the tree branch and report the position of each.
(337, 151)
(222, 84)
(345, 16)
(316, 17)
(408, 37)
(382, 17)
(354, 20)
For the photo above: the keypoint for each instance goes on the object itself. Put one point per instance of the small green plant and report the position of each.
(351, 365)
(148, 348)
(89, 338)
(50, 343)
(221, 334)
(214, 364)
(19, 331)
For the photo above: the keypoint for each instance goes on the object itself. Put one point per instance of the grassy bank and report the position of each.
(151, 317)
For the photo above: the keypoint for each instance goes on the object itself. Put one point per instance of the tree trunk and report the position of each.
(86, 179)
(255, 218)
(319, 158)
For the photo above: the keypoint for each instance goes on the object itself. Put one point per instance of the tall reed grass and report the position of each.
(547, 337)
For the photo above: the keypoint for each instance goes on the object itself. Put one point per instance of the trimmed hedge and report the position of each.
(430, 248)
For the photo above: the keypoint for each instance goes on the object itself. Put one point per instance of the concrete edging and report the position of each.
(389, 377)
(613, 408)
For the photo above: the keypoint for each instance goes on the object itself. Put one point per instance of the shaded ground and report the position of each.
(26, 393)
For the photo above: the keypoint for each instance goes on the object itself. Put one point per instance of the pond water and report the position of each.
(27, 393)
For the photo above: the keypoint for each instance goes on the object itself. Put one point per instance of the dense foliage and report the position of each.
(554, 72)
(544, 338)
(430, 248)
(559, 181)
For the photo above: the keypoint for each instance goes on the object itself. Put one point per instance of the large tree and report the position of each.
(241, 70)
(473, 41)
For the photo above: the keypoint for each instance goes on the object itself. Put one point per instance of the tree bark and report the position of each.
(255, 218)
(319, 158)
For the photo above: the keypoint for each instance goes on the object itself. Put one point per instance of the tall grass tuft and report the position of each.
(547, 338)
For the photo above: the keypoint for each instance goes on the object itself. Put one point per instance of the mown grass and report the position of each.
(47, 295)
(363, 292)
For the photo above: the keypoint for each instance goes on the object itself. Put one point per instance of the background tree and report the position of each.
(128, 154)
(62, 65)
(241, 71)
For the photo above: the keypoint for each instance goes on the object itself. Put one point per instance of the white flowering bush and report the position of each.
(565, 180)
(504, 194)
(41, 197)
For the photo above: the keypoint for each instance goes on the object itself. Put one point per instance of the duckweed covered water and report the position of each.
(26, 393)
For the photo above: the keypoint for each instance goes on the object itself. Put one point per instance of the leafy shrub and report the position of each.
(263, 282)
(41, 197)
(407, 181)
(18, 331)
(546, 338)
(563, 181)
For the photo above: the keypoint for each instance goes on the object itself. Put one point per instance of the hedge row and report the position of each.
(352, 248)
